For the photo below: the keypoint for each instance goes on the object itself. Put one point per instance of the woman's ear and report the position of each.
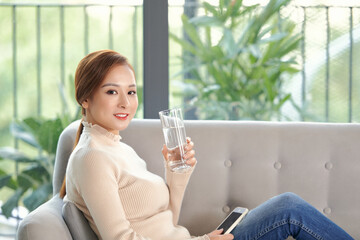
(85, 104)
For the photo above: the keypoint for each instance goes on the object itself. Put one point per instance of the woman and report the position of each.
(110, 184)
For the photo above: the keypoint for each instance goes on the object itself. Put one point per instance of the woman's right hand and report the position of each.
(216, 235)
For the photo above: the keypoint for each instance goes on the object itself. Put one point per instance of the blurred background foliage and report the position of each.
(32, 184)
(239, 74)
(326, 89)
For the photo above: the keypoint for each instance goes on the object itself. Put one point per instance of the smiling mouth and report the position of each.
(121, 116)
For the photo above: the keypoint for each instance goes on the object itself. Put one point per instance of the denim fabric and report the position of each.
(287, 215)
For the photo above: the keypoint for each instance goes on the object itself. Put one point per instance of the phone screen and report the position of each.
(229, 221)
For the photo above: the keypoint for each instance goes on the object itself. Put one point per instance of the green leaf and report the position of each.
(38, 197)
(232, 8)
(11, 203)
(12, 184)
(205, 21)
(222, 5)
(37, 172)
(33, 123)
(211, 88)
(269, 89)
(273, 38)
(210, 8)
(14, 154)
(228, 43)
(4, 180)
(255, 50)
(290, 45)
(186, 45)
(24, 182)
(271, 9)
(191, 31)
(284, 100)
(7, 180)
(24, 133)
(289, 68)
(49, 134)
(235, 10)
(246, 10)
(187, 69)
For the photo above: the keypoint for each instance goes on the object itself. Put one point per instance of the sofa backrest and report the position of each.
(63, 151)
(245, 163)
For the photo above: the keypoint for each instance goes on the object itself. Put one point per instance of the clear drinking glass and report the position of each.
(175, 138)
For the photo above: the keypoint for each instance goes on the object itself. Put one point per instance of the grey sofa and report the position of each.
(239, 164)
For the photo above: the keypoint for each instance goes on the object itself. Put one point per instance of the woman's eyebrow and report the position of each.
(116, 85)
(110, 84)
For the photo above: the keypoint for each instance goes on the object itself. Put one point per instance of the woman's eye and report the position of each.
(111, 92)
(132, 93)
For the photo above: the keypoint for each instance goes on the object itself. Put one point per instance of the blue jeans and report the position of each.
(287, 215)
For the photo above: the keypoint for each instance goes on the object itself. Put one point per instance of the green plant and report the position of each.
(32, 184)
(241, 75)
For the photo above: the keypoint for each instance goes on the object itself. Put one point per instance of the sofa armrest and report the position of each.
(45, 222)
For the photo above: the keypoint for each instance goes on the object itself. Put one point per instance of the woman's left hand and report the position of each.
(189, 152)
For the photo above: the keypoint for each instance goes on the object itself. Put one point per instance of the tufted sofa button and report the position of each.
(226, 209)
(328, 165)
(227, 163)
(327, 210)
(277, 165)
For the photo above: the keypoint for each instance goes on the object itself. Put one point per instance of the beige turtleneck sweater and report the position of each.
(120, 198)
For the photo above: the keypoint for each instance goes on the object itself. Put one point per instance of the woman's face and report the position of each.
(114, 103)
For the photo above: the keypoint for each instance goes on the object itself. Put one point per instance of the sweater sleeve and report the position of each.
(177, 183)
(97, 184)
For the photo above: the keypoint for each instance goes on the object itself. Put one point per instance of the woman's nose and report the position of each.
(124, 101)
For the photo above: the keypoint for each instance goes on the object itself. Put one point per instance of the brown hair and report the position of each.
(90, 73)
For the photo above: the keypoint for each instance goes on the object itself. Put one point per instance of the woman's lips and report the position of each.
(121, 116)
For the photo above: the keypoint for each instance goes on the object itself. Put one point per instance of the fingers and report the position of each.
(190, 152)
(164, 152)
(191, 162)
(228, 236)
(189, 145)
(222, 237)
(190, 158)
(174, 154)
(216, 232)
(216, 235)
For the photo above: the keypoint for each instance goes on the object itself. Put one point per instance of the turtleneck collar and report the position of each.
(102, 131)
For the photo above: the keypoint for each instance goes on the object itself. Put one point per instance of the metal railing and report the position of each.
(330, 49)
(39, 49)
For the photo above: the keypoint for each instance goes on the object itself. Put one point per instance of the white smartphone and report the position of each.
(233, 219)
